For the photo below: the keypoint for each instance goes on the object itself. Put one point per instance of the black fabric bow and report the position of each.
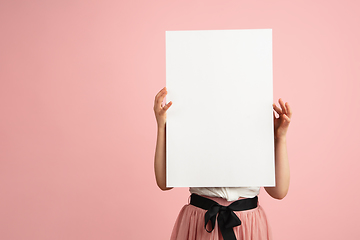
(227, 219)
(225, 216)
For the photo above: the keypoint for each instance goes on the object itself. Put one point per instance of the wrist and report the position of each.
(161, 127)
(280, 139)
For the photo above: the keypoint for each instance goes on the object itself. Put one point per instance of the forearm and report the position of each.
(282, 170)
(160, 159)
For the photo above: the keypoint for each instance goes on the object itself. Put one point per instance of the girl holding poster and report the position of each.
(227, 213)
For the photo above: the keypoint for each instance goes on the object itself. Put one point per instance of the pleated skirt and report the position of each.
(189, 225)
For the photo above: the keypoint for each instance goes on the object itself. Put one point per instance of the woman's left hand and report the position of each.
(281, 123)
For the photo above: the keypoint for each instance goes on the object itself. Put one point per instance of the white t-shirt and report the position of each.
(229, 193)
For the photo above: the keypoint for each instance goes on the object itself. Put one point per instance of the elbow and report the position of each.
(166, 188)
(163, 187)
(280, 195)
(276, 193)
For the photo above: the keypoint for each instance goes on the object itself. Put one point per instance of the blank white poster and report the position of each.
(219, 130)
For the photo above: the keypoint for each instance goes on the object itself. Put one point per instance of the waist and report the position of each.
(199, 201)
(222, 201)
(229, 193)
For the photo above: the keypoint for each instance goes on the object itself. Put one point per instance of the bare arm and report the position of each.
(282, 170)
(160, 151)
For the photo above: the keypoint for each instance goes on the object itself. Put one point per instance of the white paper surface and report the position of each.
(219, 130)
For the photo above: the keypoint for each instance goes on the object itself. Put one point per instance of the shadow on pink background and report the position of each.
(77, 129)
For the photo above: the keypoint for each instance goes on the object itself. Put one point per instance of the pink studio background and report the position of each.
(77, 129)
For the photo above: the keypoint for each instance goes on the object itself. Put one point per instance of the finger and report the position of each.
(157, 105)
(159, 94)
(284, 110)
(277, 109)
(288, 110)
(166, 107)
(287, 119)
(164, 88)
(160, 99)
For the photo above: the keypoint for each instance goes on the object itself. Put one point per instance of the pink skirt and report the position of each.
(190, 223)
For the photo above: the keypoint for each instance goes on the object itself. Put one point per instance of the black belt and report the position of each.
(227, 219)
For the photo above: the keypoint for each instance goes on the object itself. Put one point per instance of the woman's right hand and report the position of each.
(160, 109)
